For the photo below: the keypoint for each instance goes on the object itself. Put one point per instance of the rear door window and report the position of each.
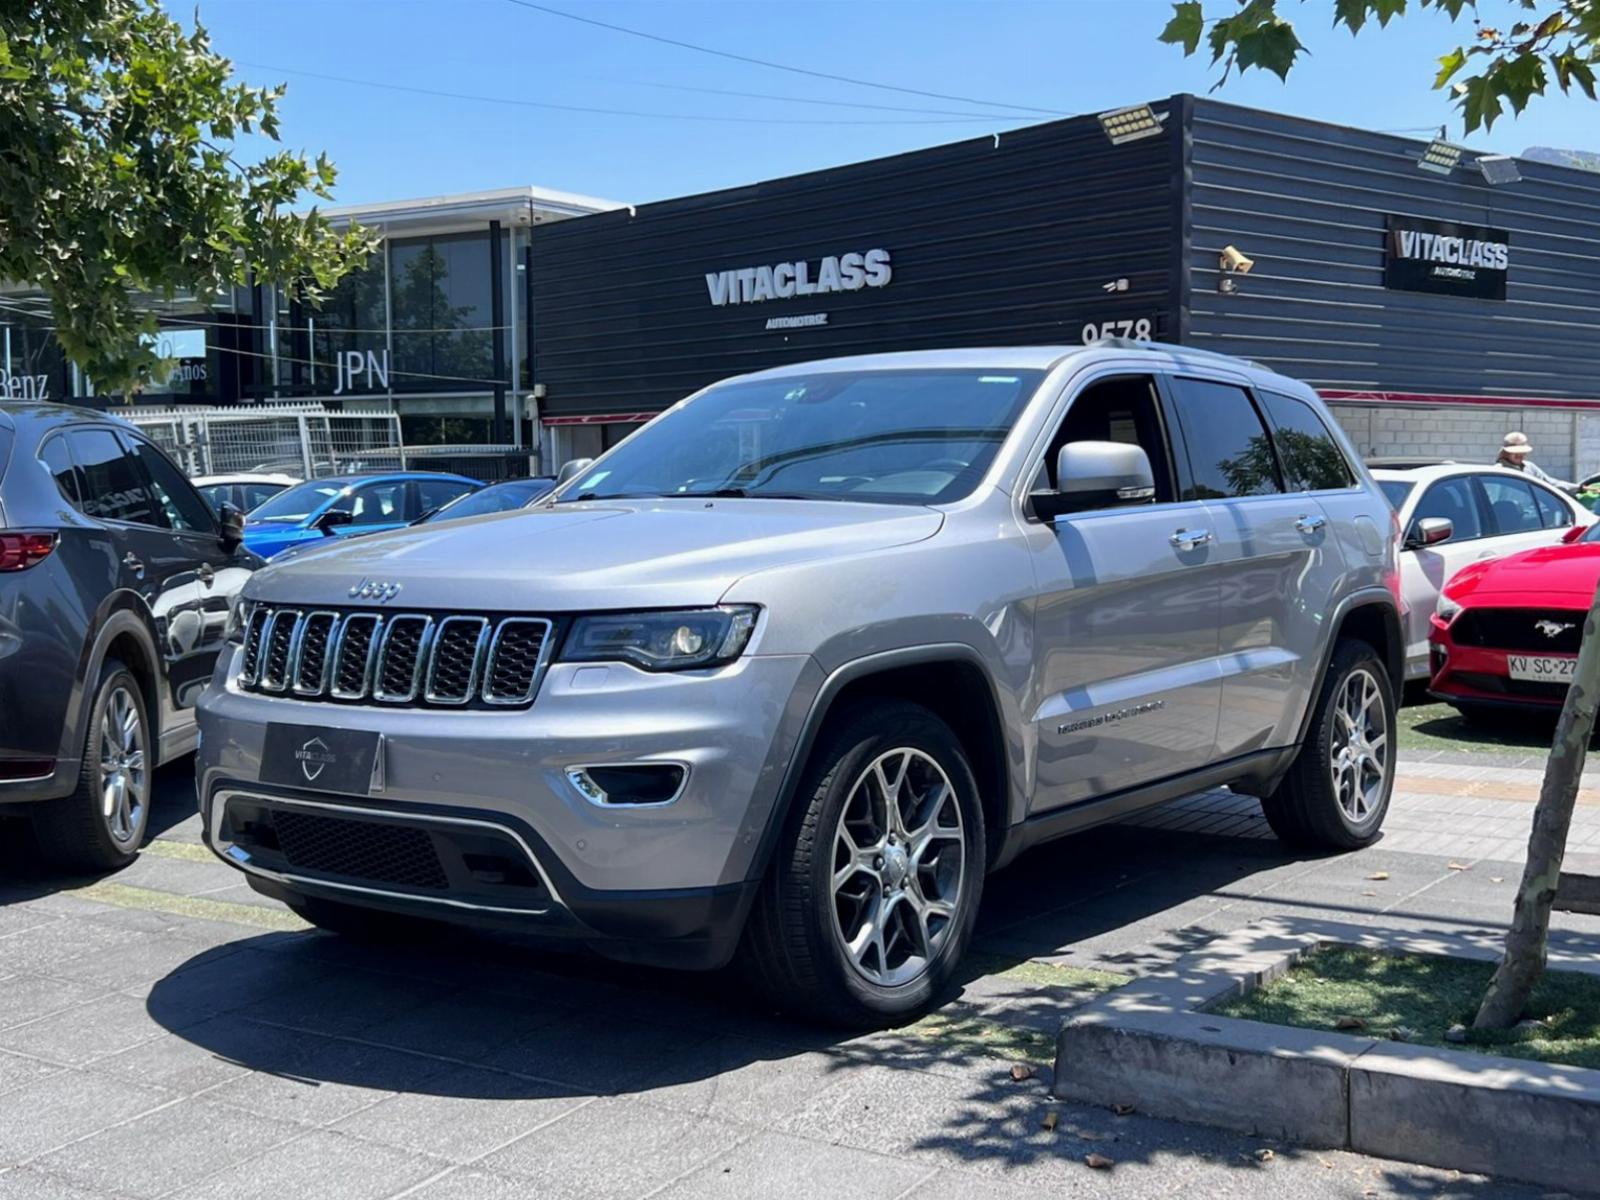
(1512, 508)
(113, 486)
(436, 493)
(1230, 453)
(1309, 452)
(379, 504)
(58, 461)
(1552, 511)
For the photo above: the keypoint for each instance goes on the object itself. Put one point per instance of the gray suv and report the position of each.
(785, 674)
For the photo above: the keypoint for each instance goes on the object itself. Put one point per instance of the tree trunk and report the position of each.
(1524, 958)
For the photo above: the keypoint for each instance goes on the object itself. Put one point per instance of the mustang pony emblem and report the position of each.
(380, 590)
(1553, 628)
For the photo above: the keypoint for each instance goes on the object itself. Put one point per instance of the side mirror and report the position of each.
(1094, 475)
(334, 518)
(1575, 534)
(231, 522)
(572, 468)
(1430, 531)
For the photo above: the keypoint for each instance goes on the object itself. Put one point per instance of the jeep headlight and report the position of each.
(238, 618)
(663, 641)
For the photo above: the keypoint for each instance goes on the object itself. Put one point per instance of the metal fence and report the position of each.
(305, 440)
(311, 442)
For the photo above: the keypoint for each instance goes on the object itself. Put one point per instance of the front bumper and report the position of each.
(1481, 675)
(679, 872)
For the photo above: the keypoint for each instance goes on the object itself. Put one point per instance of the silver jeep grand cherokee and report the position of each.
(791, 669)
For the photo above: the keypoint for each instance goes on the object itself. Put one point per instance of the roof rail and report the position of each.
(1123, 343)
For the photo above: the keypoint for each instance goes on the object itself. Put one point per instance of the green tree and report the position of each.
(1556, 42)
(118, 179)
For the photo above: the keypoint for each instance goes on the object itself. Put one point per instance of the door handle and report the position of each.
(205, 574)
(1309, 524)
(134, 563)
(1190, 539)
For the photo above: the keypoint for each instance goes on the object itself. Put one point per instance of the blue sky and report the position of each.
(1068, 56)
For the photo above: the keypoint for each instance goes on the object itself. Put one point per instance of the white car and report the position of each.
(1457, 513)
(245, 490)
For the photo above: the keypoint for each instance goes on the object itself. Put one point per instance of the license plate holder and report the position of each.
(320, 758)
(1541, 668)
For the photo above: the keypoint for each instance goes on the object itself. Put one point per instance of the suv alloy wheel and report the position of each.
(870, 899)
(102, 823)
(1337, 792)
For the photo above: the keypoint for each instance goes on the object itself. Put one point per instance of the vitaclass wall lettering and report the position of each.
(786, 280)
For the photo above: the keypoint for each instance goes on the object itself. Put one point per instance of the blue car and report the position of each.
(494, 498)
(345, 505)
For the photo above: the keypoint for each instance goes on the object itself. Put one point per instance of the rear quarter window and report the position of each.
(1311, 456)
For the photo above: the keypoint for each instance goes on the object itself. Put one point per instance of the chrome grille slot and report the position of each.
(458, 649)
(276, 649)
(358, 639)
(252, 646)
(311, 656)
(401, 654)
(434, 660)
(516, 660)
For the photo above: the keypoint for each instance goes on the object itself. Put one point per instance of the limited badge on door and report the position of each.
(313, 756)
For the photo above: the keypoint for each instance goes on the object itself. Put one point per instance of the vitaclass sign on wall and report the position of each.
(787, 280)
(1447, 258)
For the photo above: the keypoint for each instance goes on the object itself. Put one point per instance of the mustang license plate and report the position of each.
(1541, 668)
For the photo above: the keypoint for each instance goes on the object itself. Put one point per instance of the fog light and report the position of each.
(633, 784)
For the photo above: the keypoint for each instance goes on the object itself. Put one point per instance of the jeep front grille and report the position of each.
(395, 658)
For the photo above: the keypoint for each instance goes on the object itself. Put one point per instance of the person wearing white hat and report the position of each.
(1516, 452)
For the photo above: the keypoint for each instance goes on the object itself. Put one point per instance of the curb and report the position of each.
(1152, 1044)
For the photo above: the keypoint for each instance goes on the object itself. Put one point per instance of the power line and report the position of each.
(710, 91)
(761, 62)
(612, 112)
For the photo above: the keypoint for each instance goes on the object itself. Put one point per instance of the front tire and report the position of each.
(870, 899)
(1336, 794)
(101, 825)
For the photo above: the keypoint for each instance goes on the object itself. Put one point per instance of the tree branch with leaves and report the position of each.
(119, 179)
(1558, 42)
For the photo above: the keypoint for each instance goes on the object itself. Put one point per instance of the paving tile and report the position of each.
(177, 876)
(47, 948)
(142, 961)
(14, 918)
(597, 1053)
(612, 1149)
(223, 982)
(68, 1105)
(319, 1166)
(461, 1115)
(183, 1063)
(17, 1070)
(78, 1035)
(29, 996)
(167, 1149)
(741, 1080)
(347, 1002)
(28, 1184)
(474, 1183)
(314, 1080)
(467, 1025)
(776, 1165)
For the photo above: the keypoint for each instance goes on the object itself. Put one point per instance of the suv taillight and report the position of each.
(19, 551)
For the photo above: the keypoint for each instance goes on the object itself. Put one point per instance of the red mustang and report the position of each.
(1506, 631)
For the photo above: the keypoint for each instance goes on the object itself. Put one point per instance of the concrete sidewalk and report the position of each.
(165, 1032)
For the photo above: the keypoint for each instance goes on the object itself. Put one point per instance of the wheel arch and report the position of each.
(123, 634)
(941, 678)
(1370, 616)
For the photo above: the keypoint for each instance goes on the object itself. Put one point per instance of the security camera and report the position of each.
(1233, 261)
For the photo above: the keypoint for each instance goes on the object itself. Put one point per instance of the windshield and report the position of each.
(892, 437)
(297, 503)
(1395, 491)
(499, 497)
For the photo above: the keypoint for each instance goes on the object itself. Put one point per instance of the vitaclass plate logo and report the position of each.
(379, 590)
(314, 756)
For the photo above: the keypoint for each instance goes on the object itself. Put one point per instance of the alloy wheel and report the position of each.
(1359, 747)
(124, 779)
(899, 867)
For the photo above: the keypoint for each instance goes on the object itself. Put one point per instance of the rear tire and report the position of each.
(867, 907)
(100, 826)
(1337, 792)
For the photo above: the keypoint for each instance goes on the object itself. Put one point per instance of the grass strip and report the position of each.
(183, 851)
(149, 900)
(1423, 996)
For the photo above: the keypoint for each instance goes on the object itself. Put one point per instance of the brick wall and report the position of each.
(1566, 443)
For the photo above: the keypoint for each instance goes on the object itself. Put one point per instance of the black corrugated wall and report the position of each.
(1004, 241)
(1309, 203)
